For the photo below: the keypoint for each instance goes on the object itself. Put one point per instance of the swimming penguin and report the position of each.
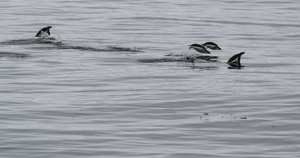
(199, 48)
(235, 61)
(211, 45)
(44, 31)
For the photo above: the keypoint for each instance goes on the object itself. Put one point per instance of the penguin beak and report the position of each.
(190, 46)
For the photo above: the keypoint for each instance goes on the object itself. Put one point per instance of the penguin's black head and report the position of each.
(193, 45)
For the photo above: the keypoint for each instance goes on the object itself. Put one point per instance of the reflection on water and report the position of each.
(235, 66)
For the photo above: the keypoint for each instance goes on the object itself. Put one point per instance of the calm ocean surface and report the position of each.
(112, 80)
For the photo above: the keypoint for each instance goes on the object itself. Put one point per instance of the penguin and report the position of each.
(199, 48)
(235, 61)
(44, 32)
(211, 45)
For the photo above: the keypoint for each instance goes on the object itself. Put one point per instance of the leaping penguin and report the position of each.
(211, 45)
(199, 48)
(44, 32)
(235, 61)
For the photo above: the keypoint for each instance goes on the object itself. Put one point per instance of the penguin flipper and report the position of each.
(48, 32)
(39, 34)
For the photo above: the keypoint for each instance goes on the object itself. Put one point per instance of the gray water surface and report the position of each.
(114, 80)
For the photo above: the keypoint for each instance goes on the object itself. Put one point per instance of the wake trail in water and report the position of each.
(55, 44)
(30, 41)
(13, 55)
(181, 58)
